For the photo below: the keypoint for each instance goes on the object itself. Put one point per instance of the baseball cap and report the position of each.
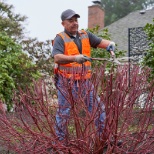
(67, 14)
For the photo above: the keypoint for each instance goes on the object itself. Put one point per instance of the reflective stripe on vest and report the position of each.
(74, 69)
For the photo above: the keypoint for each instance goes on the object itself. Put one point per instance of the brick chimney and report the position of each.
(95, 15)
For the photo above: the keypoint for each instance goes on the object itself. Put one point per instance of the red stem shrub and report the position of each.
(128, 100)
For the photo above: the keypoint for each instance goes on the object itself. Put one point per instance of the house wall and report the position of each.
(95, 16)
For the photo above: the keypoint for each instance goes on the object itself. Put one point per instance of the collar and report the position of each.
(70, 35)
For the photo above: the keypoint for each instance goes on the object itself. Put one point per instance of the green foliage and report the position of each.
(10, 22)
(23, 62)
(40, 52)
(13, 25)
(116, 9)
(14, 66)
(149, 57)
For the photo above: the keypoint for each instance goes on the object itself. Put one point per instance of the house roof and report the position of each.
(119, 29)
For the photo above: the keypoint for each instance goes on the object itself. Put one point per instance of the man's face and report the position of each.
(71, 25)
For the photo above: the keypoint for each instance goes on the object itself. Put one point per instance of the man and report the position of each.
(71, 51)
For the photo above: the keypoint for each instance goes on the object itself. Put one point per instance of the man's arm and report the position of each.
(63, 59)
(97, 42)
(103, 44)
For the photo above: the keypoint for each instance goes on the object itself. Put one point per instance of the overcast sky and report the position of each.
(44, 15)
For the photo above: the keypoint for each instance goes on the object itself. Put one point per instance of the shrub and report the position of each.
(31, 128)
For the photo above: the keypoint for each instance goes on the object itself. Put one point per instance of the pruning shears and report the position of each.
(113, 59)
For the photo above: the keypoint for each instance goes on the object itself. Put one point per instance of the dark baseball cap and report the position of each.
(67, 14)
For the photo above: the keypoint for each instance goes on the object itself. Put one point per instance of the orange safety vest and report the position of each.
(75, 70)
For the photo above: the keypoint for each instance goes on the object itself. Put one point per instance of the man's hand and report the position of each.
(81, 58)
(111, 47)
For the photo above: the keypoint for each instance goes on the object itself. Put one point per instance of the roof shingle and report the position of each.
(119, 29)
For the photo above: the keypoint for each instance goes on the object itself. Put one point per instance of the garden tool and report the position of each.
(112, 59)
